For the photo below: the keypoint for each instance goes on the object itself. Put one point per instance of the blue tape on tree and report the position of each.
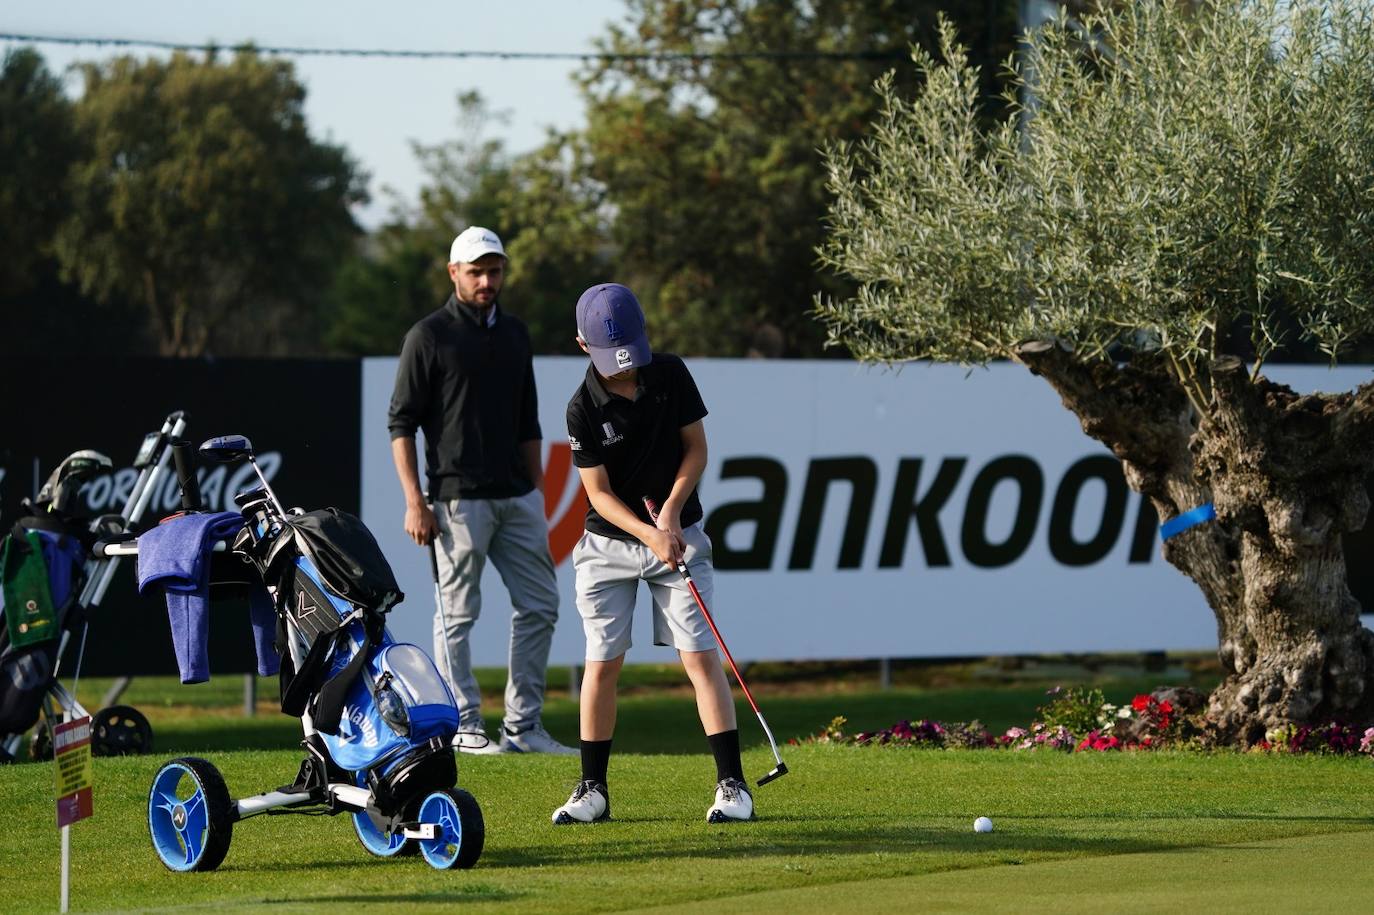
(1190, 518)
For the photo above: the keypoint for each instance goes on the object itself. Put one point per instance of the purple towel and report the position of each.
(176, 555)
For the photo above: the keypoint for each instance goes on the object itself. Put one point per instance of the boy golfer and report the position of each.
(635, 430)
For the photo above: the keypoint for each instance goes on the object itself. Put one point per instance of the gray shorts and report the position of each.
(608, 575)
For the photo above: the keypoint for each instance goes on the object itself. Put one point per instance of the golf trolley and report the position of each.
(378, 719)
(29, 672)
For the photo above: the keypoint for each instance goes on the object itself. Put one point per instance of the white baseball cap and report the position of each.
(472, 243)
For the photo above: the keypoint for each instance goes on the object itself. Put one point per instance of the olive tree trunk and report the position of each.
(1286, 475)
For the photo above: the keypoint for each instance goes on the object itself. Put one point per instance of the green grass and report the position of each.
(849, 828)
(1144, 830)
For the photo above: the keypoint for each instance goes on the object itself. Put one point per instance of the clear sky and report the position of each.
(373, 106)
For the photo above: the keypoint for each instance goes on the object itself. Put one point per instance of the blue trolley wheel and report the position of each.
(376, 841)
(461, 831)
(190, 815)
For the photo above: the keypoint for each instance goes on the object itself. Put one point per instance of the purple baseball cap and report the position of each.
(611, 323)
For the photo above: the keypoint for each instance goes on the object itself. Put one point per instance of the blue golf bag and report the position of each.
(378, 719)
(373, 700)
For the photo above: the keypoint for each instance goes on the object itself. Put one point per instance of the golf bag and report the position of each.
(373, 700)
(51, 582)
(378, 720)
(41, 559)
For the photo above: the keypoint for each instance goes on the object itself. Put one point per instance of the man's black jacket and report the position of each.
(470, 388)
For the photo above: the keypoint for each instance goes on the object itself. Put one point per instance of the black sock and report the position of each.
(596, 757)
(725, 747)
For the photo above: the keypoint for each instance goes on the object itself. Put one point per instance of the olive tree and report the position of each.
(1179, 192)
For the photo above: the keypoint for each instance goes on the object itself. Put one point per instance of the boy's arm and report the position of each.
(597, 483)
(688, 476)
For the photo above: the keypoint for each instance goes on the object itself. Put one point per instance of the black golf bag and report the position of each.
(42, 562)
(51, 582)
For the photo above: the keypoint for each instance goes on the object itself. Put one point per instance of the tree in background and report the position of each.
(711, 167)
(1177, 197)
(538, 203)
(201, 196)
(699, 182)
(37, 145)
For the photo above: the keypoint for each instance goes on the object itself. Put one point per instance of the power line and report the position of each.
(468, 55)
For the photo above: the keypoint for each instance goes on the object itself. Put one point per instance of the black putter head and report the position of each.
(778, 772)
(226, 449)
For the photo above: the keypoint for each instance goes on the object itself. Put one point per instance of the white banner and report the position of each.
(862, 513)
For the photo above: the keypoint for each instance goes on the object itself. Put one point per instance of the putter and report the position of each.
(780, 769)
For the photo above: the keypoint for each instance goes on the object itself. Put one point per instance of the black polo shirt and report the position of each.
(470, 386)
(639, 441)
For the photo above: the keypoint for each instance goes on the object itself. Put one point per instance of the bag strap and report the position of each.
(329, 701)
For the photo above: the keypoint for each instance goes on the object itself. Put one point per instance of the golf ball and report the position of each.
(982, 824)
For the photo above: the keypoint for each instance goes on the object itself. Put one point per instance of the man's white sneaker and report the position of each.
(473, 739)
(733, 802)
(534, 740)
(590, 802)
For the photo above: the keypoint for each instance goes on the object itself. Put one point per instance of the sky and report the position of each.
(373, 106)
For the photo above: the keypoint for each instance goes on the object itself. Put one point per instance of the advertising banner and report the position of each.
(302, 416)
(863, 512)
(855, 512)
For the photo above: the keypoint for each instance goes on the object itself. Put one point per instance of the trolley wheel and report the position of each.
(461, 831)
(40, 744)
(121, 730)
(190, 815)
(374, 840)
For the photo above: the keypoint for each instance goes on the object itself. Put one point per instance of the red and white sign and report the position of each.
(71, 743)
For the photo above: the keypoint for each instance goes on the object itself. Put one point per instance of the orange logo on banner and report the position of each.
(567, 530)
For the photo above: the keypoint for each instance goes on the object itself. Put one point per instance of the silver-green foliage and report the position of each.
(1166, 169)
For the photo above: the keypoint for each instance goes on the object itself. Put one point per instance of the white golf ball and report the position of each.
(982, 824)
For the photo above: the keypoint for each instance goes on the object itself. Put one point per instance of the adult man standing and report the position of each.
(466, 377)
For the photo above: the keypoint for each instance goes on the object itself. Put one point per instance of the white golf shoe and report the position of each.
(533, 740)
(472, 738)
(733, 802)
(590, 802)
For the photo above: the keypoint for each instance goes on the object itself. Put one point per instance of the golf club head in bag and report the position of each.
(64, 483)
(229, 449)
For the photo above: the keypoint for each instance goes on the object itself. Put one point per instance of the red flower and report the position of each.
(1166, 707)
(1142, 702)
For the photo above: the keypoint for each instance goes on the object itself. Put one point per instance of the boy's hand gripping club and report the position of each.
(781, 768)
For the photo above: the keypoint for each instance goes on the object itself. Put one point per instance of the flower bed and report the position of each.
(1080, 720)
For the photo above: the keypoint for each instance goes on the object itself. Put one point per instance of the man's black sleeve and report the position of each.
(529, 404)
(411, 396)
